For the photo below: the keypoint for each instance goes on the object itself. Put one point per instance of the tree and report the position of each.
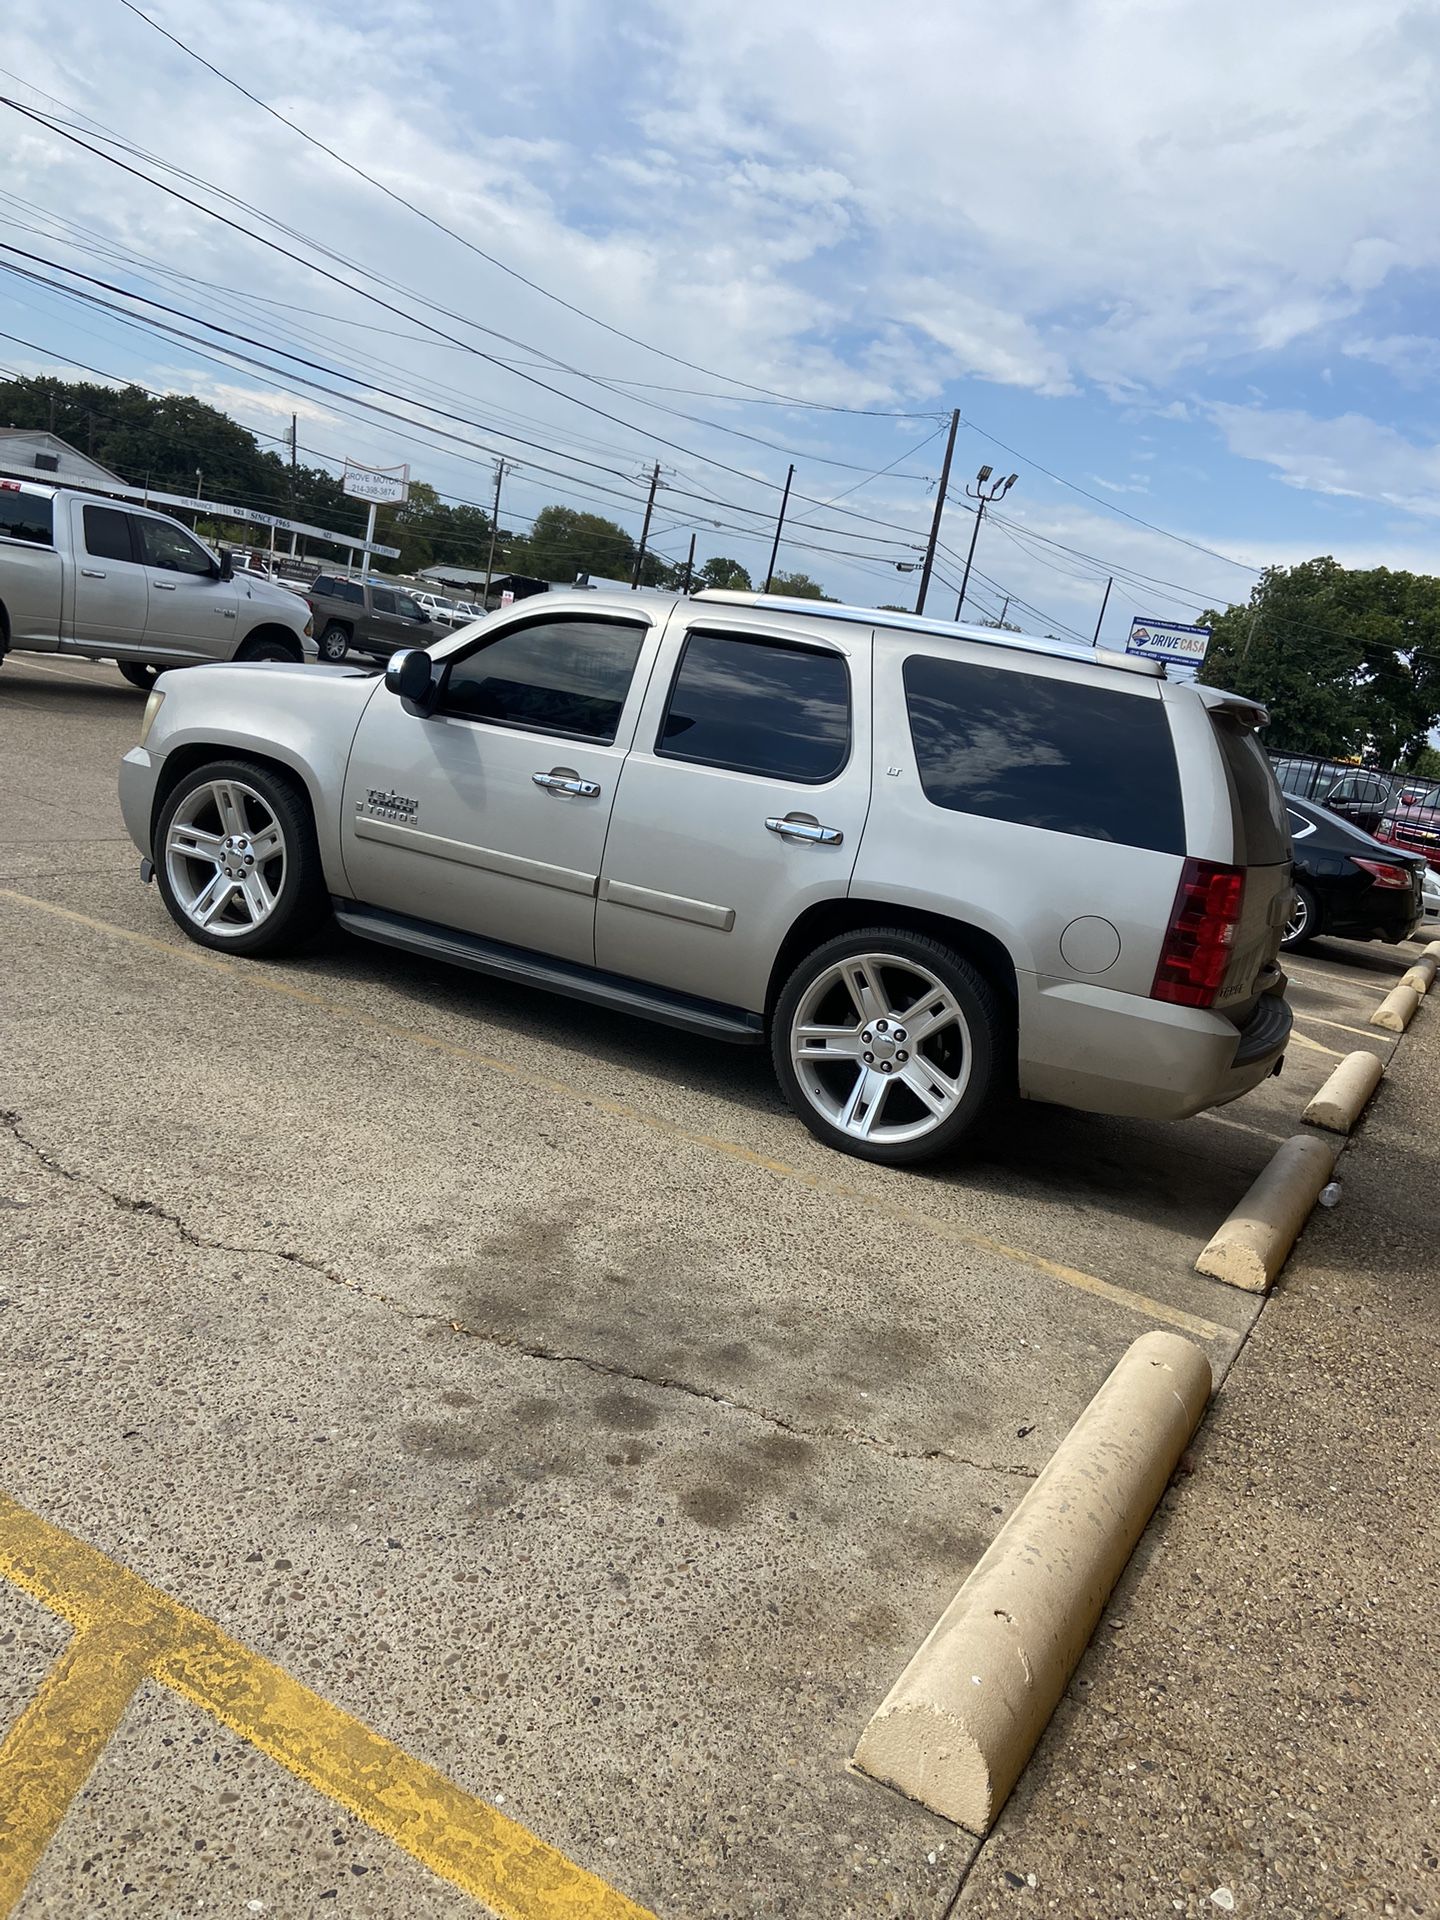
(1347, 661)
(798, 586)
(563, 542)
(722, 571)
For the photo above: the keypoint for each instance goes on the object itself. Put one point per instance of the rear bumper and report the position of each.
(1106, 1052)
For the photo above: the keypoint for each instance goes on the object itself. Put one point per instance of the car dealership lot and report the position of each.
(523, 1380)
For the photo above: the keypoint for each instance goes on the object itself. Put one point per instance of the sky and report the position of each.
(1175, 261)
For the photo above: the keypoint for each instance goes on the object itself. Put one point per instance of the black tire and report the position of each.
(138, 674)
(334, 642)
(1306, 923)
(301, 899)
(982, 1042)
(267, 649)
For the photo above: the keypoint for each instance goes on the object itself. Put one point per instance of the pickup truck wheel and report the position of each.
(237, 859)
(269, 650)
(138, 674)
(889, 1045)
(334, 642)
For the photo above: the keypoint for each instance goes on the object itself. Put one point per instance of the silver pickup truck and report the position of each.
(92, 577)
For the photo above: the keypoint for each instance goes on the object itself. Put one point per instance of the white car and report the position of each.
(455, 613)
(1430, 911)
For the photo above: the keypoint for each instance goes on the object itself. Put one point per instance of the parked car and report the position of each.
(454, 613)
(1357, 794)
(1430, 903)
(89, 577)
(1415, 827)
(371, 619)
(1347, 882)
(925, 862)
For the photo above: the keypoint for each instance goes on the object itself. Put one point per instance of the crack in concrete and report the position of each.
(527, 1349)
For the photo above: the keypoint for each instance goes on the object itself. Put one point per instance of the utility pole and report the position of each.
(1103, 604)
(689, 566)
(986, 497)
(645, 529)
(939, 510)
(494, 525)
(775, 549)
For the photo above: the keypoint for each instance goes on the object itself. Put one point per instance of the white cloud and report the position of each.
(1349, 457)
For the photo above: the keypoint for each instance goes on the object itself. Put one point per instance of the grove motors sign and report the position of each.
(381, 486)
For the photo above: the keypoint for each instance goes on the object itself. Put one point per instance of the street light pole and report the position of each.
(985, 496)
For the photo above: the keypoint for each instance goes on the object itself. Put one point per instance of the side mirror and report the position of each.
(409, 675)
(424, 618)
(227, 564)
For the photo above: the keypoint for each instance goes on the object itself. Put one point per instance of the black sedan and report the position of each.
(1346, 883)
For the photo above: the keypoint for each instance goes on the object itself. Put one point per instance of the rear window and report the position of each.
(761, 706)
(1262, 829)
(26, 516)
(1045, 752)
(322, 584)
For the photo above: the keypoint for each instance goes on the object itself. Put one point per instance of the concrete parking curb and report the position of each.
(1249, 1249)
(1432, 952)
(1396, 1010)
(1344, 1096)
(1421, 976)
(959, 1724)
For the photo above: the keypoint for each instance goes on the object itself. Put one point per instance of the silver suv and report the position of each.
(927, 863)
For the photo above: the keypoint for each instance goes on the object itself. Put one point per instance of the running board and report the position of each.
(710, 1018)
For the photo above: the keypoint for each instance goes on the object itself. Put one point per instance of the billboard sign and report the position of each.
(1179, 646)
(381, 486)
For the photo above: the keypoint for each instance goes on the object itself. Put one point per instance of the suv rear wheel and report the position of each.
(237, 859)
(888, 1044)
(334, 642)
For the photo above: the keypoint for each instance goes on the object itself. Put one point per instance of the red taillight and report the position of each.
(1382, 873)
(1385, 831)
(1201, 936)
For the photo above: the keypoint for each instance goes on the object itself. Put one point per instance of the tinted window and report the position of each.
(382, 600)
(172, 549)
(26, 516)
(557, 676)
(759, 706)
(322, 584)
(107, 534)
(348, 590)
(1261, 827)
(407, 608)
(1045, 753)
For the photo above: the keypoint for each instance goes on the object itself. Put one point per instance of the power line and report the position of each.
(491, 259)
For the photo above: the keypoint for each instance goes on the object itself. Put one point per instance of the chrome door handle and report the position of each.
(165, 586)
(560, 783)
(93, 573)
(791, 829)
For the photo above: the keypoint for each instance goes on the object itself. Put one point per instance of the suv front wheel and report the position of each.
(888, 1044)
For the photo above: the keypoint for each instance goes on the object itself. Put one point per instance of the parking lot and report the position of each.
(526, 1384)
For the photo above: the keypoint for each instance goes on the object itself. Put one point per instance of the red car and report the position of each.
(1416, 825)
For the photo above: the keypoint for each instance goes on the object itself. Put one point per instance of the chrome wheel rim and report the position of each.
(225, 858)
(334, 646)
(1299, 918)
(881, 1048)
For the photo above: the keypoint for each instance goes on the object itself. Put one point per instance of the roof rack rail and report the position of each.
(945, 629)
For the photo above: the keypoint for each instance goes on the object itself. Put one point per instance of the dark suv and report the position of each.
(370, 619)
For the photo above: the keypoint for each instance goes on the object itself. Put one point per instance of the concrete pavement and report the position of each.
(1256, 1728)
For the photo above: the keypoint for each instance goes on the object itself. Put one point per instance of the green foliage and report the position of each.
(1347, 661)
(721, 571)
(563, 542)
(798, 586)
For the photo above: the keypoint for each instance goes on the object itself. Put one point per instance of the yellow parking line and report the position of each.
(270, 982)
(1304, 1040)
(1337, 979)
(1315, 1020)
(126, 1631)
